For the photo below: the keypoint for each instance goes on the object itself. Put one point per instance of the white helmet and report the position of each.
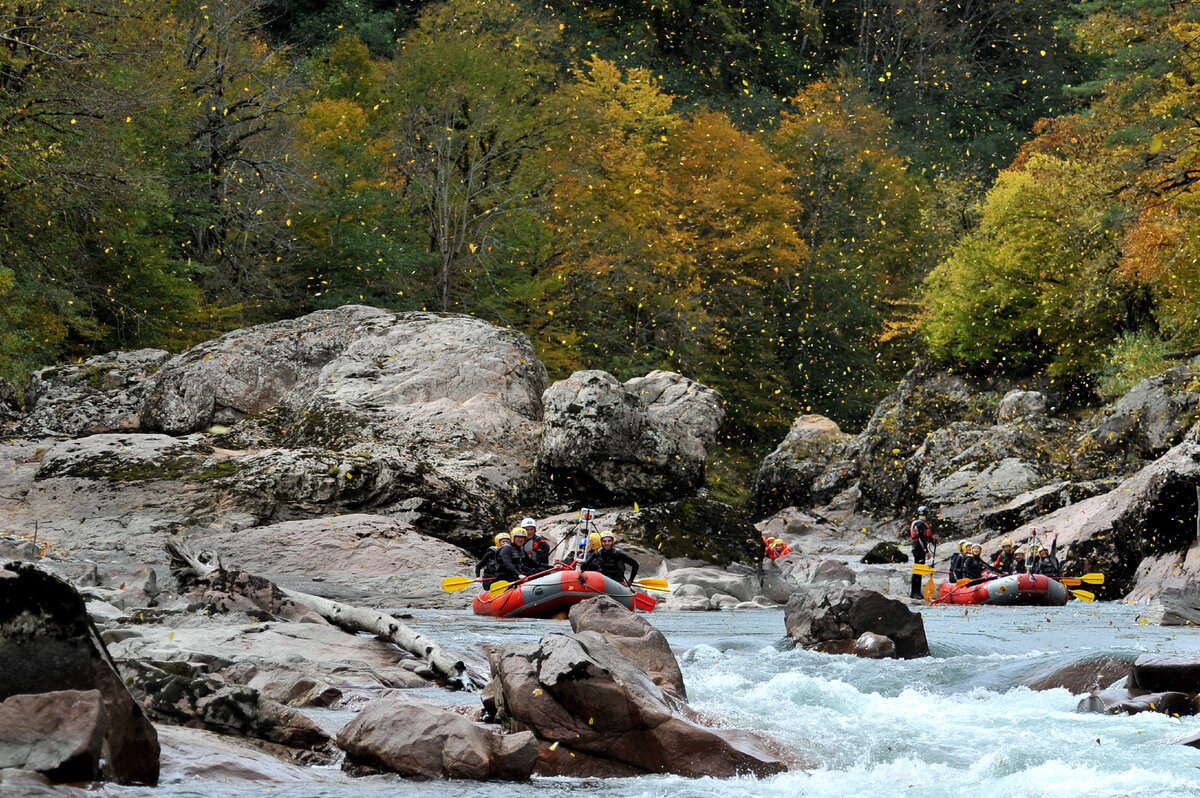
(608, 533)
(528, 522)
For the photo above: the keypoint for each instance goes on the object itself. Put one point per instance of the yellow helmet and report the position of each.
(519, 531)
(1007, 542)
(963, 547)
(501, 538)
(593, 540)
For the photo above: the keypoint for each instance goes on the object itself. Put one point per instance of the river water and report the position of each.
(954, 724)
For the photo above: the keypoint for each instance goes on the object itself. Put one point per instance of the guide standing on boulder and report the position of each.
(923, 542)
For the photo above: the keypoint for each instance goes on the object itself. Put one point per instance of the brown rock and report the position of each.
(634, 637)
(872, 646)
(580, 691)
(816, 616)
(1083, 677)
(417, 739)
(1117, 701)
(60, 735)
(1163, 672)
(48, 643)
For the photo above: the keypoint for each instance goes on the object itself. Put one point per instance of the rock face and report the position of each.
(101, 394)
(429, 417)
(644, 440)
(48, 644)
(1152, 417)
(834, 619)
(412, 738)
(580, 692)
(634, 637)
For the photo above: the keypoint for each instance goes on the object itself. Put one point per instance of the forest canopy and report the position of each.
(789, 202)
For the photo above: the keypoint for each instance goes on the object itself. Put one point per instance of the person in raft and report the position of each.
(1003, 561)
(514, 562)
(923, 542)
(611, 561)
(956, 560)
(489, 564)
(1046, 563)
(1019, 562)
(536, 546)
(974, 567)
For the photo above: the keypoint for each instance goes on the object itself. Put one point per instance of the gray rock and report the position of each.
(102, 394)
(1021, 405)
(874, 646)
(1153, 416)
(787, 476)
(647, 439)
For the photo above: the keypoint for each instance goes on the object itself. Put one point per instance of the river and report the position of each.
(953, 724)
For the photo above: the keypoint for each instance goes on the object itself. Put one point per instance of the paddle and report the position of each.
(1083, 595)
(498, 587)
(654, 584)
(926, 570)
(452, 583)
(1091, 579)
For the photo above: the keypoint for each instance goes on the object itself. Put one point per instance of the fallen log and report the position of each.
(187, 565)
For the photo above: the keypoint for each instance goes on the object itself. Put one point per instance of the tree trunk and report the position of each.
(187, 565)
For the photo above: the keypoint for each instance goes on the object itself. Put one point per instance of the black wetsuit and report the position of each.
(1004, 561)
(611, 563)
(1047, 565)
(514, 563)
(487, 565)
(922, 545)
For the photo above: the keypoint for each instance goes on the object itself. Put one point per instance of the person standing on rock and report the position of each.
(514, 562)
(536, 546)
(611, 561)
(923, 542)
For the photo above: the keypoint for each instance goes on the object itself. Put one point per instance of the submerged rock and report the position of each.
(832, 619)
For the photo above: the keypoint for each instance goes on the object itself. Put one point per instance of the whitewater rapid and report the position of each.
(955, 724)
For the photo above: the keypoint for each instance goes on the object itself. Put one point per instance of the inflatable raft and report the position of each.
(1012, 589)
(547, 595)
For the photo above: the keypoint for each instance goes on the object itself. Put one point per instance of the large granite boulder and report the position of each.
(432, 417)
(644, 440)
(578, 691)
(102, 394)
(786, 477)
(413, 738)
(49, 644)
(634, 637)
(833, 619)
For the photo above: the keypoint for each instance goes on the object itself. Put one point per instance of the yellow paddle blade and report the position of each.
(653, 584)
(1093, 579)
(962, 582)
(453, 583)
(930, 589)
(1083, 595)
(498, 587)
(923, 570)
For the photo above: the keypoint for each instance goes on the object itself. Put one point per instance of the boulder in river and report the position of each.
(413, 738)
(581, 692)
(634, 637)
(48, 644)
(832, 619)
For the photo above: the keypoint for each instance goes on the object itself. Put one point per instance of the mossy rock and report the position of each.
(697, 529)
(885, 551)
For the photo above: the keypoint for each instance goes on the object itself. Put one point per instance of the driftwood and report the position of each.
(187, 565)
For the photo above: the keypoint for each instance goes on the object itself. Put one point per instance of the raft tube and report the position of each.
(547, 595)
(1011, 589)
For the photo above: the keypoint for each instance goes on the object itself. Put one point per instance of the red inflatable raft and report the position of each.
(1012, 589)
(547, 595)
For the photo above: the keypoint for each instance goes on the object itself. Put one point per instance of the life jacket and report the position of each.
(919, 530)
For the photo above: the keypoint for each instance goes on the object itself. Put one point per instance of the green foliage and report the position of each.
(1132, 358)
